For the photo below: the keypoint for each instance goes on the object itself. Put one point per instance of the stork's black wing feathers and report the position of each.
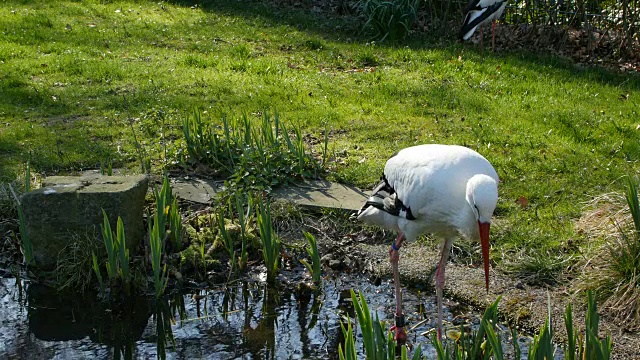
(474, 5)
(384, 197)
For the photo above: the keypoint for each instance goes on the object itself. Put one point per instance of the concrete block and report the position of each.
(68, 206)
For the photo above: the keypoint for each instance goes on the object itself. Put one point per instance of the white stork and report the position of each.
(479, 12)
(445, 190)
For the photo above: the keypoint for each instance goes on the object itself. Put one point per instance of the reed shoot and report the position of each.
(156, 242)
(313, 267)
(270, 240)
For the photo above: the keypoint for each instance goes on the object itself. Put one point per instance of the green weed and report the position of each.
(378, 344)
(391, 20)
(484, 343)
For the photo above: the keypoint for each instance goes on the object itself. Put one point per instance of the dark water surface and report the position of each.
(242, 320)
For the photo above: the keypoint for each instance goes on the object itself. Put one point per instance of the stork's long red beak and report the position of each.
(484, 243)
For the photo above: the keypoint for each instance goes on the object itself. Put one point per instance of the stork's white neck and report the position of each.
(482, 196)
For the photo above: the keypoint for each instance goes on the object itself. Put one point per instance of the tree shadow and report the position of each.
(348, 28)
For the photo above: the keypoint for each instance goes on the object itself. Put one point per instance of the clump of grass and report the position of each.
(378, 344)
(244, 218)
(250, 155)
(165, 226)
(168, 212)
(542, 346)
(536, 267)
(614, 273)
(76, 264)
(25, 240)
(164, 319)
(391, 20)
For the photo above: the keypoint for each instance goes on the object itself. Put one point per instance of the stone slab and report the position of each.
(313, 194)
(195, 190)
(316, 194)
(69, 206)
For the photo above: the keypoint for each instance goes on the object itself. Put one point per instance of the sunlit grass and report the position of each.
(79, 76)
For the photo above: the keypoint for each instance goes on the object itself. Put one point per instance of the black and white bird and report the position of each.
(479, 12)
(445, 190)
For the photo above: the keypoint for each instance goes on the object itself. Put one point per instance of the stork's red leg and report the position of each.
(394, 254)
(446, 248)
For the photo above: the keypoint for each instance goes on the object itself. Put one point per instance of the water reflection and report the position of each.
(56, 317)
(164, 319)
(239, 320)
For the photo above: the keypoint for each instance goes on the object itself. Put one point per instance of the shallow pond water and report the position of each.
(241, 320)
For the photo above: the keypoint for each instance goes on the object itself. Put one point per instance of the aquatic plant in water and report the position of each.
(156, 241)
(117, 263)
(313, 267)
(484, 343)
(270, 240)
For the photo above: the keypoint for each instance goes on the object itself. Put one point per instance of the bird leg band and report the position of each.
(394, 246)
(400, 321)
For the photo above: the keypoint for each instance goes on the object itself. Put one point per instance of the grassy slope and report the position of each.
(76, 77)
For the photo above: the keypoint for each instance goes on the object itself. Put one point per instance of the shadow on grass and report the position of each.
(348, 28)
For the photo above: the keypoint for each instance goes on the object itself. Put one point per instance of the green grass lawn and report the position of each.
(79, 79)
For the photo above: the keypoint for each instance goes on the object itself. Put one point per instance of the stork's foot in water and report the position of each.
(401, 334)
(398, 329)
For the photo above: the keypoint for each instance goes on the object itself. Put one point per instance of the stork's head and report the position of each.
(482, 196)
